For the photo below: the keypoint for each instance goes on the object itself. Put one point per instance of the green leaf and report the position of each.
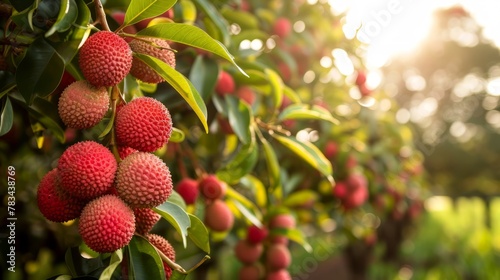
(80, 266)
(303, 111)
(243, 19)
(67, 16)
(308, 152)
(257, 187)
(203, 75)
(143, 9)
(300, 198)
(236, 196)
(240, 117)
(189, 35)
(177, 135)
(7, 82)
(7, 117)
(247, 213)
(177, 217)
(177, 199)
(198, 233)
(273, 166)
(144, 261)
(40, 71)
(216, 18)
(242, 164)
(181, 84)
(297, 236)
(116, 259)
(276, 87)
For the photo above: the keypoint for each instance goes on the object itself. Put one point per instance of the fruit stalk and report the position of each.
(101, 15)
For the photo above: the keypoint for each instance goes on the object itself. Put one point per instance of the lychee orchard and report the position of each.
(197, 139)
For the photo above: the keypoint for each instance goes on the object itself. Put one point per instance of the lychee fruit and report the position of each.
(225, 84)
(331, 149)
(281, 274)
(278, 257)
(166, 248)
(218, 216)
(246, 94)
(256, 234)
(119, 17)
(282, 27)
(143, 180)
(143, 124)
(105, 59)
(340, 190)
(86, 170)
(82, 105)
(211, 187)
(247, 252)
(158, 48)
(106, 224)
(123, 152)
(145, 219)
(285, 221)
(188, 189)
(360, 78)
(54, 204)
(251, 272)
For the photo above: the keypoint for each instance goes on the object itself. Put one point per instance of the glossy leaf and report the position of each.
(177, 199)
(276, 87)
(198, 233)
(143, 9)
(273, 166)
(177, 217)
(144, 261)
(243, 19)
(297, 236)
(308, 152)
(80, 266)
(240, 117)
(7, 82)
(258, 189)
(303, 111)
(216, 18)
(67, 16)
(177, 135)
(301, 198)
(115, 260)
(180, 83)
(203, 75)
(236, 196)
(189, 35)
(247, 213)
(6, 117)
(40, 71)
(242, 164)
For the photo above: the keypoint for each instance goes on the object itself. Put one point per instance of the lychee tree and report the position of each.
(173, 130)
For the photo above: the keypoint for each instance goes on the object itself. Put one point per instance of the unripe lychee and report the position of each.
(105, 59)
(278, 257)
(145, 219)
(251, 272)
(143, 180)
(256, 234)
(285, 221)
(143, 124)
(246, 94)
(211, 187)
(54, 204)
(218, 216)
(282, 27)
(86, 170)
(281, 274)
(166, 248)
(225, 84)
(159, 49)
(188, 189)
(247, 252)
(82, 105)
(106, 224)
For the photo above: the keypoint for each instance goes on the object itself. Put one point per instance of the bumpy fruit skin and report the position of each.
(86, 170)
(166, 248)
(247, 252)
(141, 70)
(106, 224)
(218, 216)
(225, 84)
(143, 124)
(188, 189)
(54, 204)
(281, 274)
(143, 180)
(82, 105)
(278, 257)
(282, 27)
(145, 219)
(123, 152)
(212, 188)
(105, 59)
(251, 272)
(256, 234)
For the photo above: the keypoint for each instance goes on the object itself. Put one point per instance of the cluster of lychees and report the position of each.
(112, 196)
(260, 248)
(218, 216)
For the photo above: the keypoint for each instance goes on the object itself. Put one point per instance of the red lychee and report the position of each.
(145, 219)
(82, 105)
(285, 221)
(278, 257)
(143, 180)
(360, 78)
(211, 187)
(256, 234)
(246, 94)
(282, 27)
(166, 248)
(281, 274)
(188, 189)
(143, 124)
(158, 48)
(251, 272)
(218, 216)
(54, 204)
(119, 17)
(106, 224)
(247, 252)
(86, 170)
(105, 59)
(225, 84)
(123, 152)
(331, 149)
